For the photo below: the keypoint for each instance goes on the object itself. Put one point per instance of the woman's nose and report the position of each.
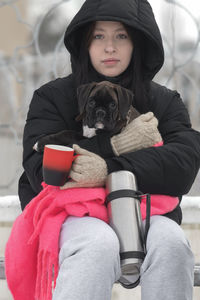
(110, 46)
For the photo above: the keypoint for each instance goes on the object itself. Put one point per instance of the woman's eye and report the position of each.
(122, 36)
(98, 36)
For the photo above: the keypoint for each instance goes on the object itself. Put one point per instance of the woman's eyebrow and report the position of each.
(120, 29)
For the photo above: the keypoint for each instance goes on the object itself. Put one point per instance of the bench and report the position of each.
(196, 272)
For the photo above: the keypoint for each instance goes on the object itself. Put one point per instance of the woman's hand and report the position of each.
(88, 170)
(142, 132)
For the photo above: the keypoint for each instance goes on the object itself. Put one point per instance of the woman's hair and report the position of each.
(132, 78)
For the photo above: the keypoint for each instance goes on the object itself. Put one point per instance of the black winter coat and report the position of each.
(170, 169)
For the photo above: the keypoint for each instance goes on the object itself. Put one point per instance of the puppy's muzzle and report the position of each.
(100, 114)
(100, 118)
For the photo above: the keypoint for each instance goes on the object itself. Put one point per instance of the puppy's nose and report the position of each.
(100, 113)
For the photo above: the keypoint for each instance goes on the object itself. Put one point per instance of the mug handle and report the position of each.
(75, 156)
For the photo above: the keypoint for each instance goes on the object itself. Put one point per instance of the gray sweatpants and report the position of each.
(89, 261)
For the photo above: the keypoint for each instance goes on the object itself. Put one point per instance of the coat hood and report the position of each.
(137, 14)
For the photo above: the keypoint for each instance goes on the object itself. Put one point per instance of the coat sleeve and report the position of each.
(42, 119)
(171, 168)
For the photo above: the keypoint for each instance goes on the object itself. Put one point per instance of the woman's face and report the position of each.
(111, 48)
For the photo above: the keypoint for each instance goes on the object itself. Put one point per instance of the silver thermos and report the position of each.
(123, 204)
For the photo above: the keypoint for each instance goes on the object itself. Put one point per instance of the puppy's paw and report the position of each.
(35, 147)
(39, 146)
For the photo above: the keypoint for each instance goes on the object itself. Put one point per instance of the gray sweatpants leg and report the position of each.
(89, 260)
(167, 271)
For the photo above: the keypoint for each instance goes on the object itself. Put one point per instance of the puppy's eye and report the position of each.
(91, 104)
(112, 105)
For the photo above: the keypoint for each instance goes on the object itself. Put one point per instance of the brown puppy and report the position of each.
(102, 106)
(105, 105)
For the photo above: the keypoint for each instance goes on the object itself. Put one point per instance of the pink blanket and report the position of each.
(31, 257)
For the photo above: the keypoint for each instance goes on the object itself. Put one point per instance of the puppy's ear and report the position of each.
(83, 92)
(125, 100)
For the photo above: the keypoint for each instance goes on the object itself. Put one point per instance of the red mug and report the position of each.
(57, 162)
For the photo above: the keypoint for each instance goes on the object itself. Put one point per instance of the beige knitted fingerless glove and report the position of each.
(140, 133)
(88, 170)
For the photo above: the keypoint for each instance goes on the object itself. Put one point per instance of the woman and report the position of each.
(120, 42)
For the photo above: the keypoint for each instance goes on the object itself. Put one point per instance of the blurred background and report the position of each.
(32, 53)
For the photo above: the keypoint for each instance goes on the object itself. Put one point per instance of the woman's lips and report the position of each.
(110, 61)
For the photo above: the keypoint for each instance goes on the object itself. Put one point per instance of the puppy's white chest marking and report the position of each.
(88, 132)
